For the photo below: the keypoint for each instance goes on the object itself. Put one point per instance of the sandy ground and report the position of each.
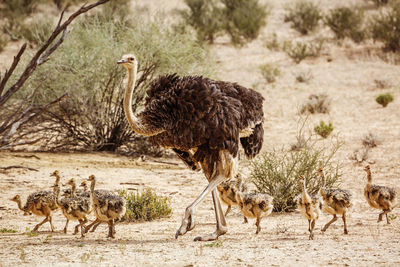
(346, 72)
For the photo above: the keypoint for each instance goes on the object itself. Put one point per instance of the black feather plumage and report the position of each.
(198, 112)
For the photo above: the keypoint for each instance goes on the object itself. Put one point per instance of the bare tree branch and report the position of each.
(12, 68)
(61, 27)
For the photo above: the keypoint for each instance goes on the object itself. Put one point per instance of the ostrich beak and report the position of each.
(121, 61)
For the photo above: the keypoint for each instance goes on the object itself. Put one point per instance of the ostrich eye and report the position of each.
(132, 58)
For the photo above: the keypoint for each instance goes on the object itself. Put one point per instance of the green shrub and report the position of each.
(6, 230)
(145, 205)
(205, 17)
(92, 117)
(241, 19)
(386, 28)
(276, 173)
(269, 72)
(323, 130)
(304, 16)
(384, 99)
(346, 22)
(300, 50)
(244, 19)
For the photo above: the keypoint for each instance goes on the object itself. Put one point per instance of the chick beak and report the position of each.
(122, 61)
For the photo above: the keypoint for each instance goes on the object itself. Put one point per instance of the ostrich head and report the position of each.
(92, 178)
(128, 61)
(55, 173)
(16, 198)
(83, 184)
(366, 168)
(70, 182)
(320, 170)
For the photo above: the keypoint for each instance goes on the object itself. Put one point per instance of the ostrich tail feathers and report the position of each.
(253, 143)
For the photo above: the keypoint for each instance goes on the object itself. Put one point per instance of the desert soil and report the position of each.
(346, 72)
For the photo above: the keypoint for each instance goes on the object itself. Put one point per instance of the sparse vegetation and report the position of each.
(386, 28)
(378, 2)
(241, 19)
(145, 205)
(244, 19)
(92, 118)
(4, 39)
(37, 32)
(276, 173)
(300, 50)
(346, 22)
(384, 99)
(205, 17)
(360, 155)
(272, 43)
(304, 16)
(214, 244)
(269, 72)
(370, 140)
(6, 230)
(316, 103)
(30, 233)
(323, 130)
(304, 77)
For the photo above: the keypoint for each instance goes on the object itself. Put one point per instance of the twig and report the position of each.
(27, 156)
(165, 162)
(38, 58)
(14, 64)
(18, 167)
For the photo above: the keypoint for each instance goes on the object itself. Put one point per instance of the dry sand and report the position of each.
(346, 72)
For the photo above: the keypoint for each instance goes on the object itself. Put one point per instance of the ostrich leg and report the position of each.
(222, 170)
(188, 221)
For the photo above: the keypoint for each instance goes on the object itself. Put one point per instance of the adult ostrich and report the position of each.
(202, 120)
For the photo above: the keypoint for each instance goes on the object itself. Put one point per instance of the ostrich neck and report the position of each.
(135, 123)
(20, 205)
(57, 192)
(92, 194)
(304, 193)
(369, 176)
(73, 190)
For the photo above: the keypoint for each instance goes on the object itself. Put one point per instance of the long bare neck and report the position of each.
(57, 193)
(135, 123)
(73, 189)
(306, 197)
(369, 176)
(323, 183)
(19, 204)
(92, 194)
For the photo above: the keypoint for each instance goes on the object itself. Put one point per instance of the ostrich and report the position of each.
(202, 120)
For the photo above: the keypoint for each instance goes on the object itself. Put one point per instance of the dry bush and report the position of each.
(145, 205)
(316, 103)
(386, 28)
(272, 43)
(379, 3)
(299, 51)
(346, 22)
(205, 17)
(269, 72)
(304, 77)
(370, 140)
(4, 39)
(276, 173)
(304, 16)
(360, 155)
(244, 19)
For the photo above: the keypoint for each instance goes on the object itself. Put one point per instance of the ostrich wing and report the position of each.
(197, 111)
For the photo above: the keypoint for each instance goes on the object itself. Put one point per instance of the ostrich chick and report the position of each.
(255, 205)
(336, 202)
(379, 197)
(40, 203)
(107, 208)
(310, 206)
(74, 208)
(228, 191)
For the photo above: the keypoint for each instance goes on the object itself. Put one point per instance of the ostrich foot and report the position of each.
(187, 225)
(214, 236)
